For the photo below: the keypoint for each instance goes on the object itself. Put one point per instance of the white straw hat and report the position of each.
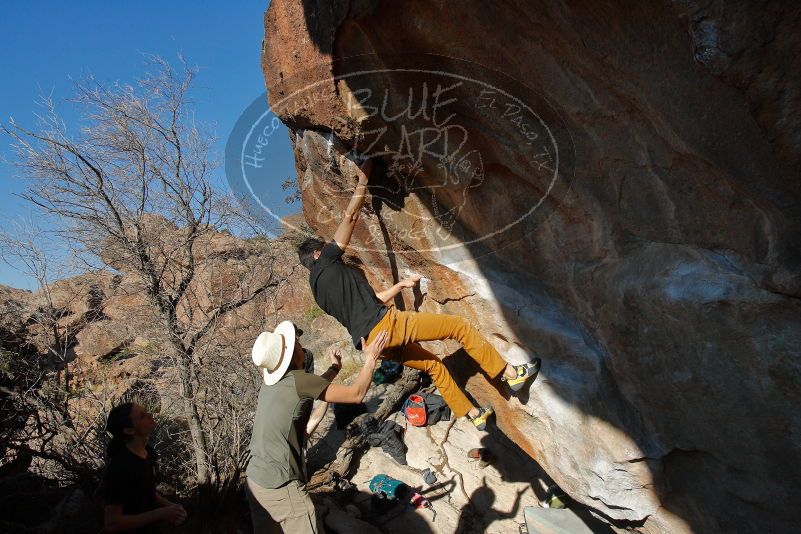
(272, 351)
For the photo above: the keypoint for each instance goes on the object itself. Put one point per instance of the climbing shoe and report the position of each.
(480, 421)
(525, 372)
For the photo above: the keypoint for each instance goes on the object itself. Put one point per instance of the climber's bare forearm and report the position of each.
(350, 216)
(387, 295)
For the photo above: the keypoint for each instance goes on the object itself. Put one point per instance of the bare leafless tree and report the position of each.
(134, 187)
(28, 248)
(48, 422)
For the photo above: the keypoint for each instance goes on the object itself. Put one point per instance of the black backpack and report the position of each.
(436, 409)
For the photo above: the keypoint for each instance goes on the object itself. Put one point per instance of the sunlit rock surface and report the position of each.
(660, 275)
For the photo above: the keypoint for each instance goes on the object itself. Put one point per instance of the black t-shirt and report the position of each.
(131, 482)
(343, 294)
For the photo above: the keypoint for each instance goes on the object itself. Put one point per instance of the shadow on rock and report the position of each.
(478, 514)
(352, 511)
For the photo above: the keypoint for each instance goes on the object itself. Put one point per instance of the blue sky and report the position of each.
(44, 43)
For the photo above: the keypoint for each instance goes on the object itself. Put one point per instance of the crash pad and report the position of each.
(553, 521)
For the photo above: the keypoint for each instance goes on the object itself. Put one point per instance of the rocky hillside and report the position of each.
(113, 336)
(611, 186)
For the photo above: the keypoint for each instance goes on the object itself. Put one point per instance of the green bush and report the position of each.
(313, 313)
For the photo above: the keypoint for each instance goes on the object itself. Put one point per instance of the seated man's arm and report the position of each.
(351, 215)
(179, 515)
(354, 393)
(115, 521)
(387, 295)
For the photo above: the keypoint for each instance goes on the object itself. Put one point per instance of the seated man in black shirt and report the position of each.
(343, 294)
(132, 502)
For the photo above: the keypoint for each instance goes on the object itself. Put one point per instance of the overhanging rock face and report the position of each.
(615, 188)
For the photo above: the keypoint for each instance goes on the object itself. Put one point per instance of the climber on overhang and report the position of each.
(347, 296)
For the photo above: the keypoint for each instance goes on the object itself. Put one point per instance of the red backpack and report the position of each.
(414, 409)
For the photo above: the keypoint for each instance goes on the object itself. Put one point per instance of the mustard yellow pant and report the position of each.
(405, 329)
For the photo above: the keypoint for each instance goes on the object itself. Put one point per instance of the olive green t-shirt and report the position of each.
(282, 412)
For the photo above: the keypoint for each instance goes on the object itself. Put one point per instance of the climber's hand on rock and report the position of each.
(411, 281)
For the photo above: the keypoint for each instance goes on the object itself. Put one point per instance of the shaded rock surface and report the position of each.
(659, 278)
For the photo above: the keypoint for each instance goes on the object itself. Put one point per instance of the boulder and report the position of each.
(612, 187)
(12, 311)
(101, 339)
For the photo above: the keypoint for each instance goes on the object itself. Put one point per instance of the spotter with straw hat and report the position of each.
(285, 418)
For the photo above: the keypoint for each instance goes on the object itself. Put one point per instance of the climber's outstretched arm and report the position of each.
(387, 295)
(351, 215)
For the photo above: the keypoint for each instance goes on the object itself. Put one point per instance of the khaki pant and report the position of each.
(285, 509)
(406, 328)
